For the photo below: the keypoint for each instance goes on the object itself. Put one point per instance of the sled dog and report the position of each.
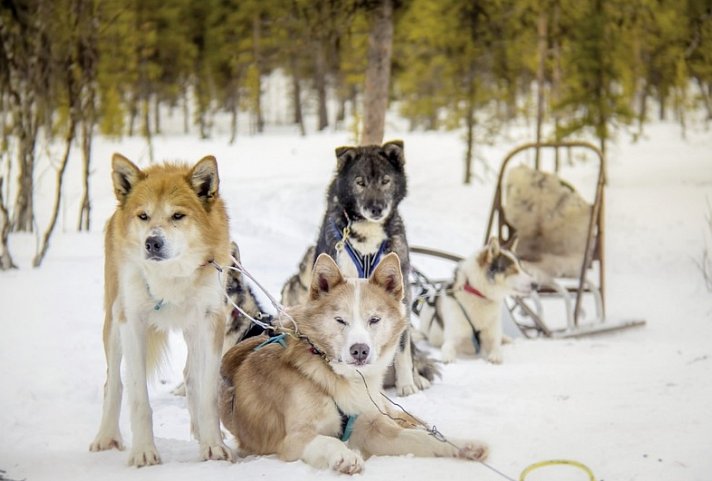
(168, 229)
(361, 225)
(466, 316)
(317, 398)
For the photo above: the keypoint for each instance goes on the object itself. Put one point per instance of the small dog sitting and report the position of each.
(466, 316)
(317, 398)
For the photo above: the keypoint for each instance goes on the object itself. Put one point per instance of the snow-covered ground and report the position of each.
(633, 405)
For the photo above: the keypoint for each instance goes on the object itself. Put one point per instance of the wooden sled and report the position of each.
(528, 313)
(572, 288)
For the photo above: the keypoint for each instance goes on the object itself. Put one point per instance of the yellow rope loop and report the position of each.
(557, 462)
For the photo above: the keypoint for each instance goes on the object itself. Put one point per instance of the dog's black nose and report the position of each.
(154, 244)
(376, 211)
(360, 352)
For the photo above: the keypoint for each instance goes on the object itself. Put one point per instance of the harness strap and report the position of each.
(276, 339)
(475, 333)
(365, 263)
(347, 424)
(473, 290)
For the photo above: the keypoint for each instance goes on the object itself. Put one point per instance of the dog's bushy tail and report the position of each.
(428, 367)
(156, 351)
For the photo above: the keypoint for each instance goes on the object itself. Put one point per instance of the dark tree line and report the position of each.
(73, 68)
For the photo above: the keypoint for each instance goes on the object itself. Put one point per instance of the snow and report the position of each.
(632, 405)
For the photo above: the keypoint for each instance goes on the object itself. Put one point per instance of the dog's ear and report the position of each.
(124, 175)
(394, 152)
(204, 178)
(388, 276)
(493, 246)
(344, 155)
(326, 276)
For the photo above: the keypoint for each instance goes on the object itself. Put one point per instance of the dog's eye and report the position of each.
(143, 216)
(340, 320)
(385, 181)
(374, 320)
(360, 182)
(177, 216)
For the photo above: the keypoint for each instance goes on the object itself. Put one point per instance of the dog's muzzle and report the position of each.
(155, 248)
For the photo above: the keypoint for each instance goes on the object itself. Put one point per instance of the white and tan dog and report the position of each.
(467, 314)
(168, 228)
(319, 400)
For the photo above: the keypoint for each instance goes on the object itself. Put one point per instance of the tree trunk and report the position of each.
(6, 261)
(378, 72)
(257, 52)
(146, 111)
(540, 78)
(186, 113)
(297, 99)
(156, 115)
(470, 122)
(37, 261)
(706, 93)
(133, 113)
(320, 83)
(85, 205)
(556, 79)
(234, 103)
(23, 214)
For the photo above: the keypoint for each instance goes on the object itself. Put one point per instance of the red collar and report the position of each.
(468, 288)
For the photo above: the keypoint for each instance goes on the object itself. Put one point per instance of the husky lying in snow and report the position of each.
(169, 226)
(467, 314)
(318, 400)
(360, 226)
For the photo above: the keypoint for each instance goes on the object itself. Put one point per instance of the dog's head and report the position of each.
(356, 322)
(502, 268)
(370, 180)
(169, 211)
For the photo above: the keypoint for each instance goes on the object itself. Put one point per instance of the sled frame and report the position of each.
(594, 253)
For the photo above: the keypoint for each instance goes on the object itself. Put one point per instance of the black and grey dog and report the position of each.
(362, 224)
(238, 326)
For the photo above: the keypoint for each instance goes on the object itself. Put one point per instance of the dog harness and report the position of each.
(347, 420)
(365, 263)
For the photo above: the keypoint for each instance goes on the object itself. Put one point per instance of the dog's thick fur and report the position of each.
(368, 186)
(551, 221)
(169, 224)
(451, 318)
(238, 326)
(296, 289)
(286, 400)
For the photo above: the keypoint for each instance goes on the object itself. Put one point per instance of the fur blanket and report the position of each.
(551, 220)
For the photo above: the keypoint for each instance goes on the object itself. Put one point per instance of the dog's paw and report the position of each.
(144, 456)
(347, 462)
(102, 443)
(473, 450)
(406, 390)
(421, 382)
(217, 451)
(495, 357)
(448, 356)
